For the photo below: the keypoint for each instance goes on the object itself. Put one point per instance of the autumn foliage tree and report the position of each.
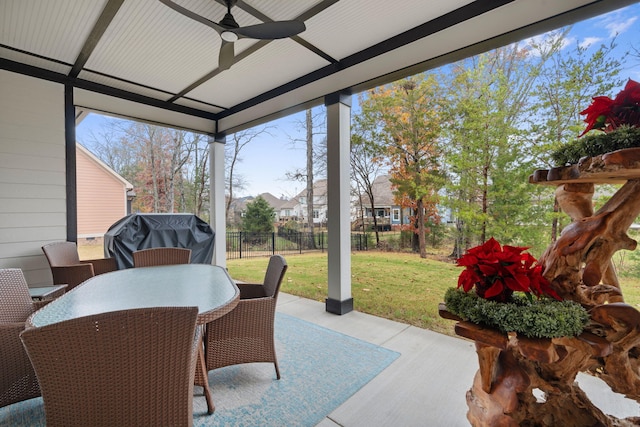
(167, 167)
(409, 116)
(163, 153)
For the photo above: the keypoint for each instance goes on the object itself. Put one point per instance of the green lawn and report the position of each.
(401, 287)
(396, 286)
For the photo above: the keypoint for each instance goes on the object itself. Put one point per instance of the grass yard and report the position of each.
(395, 286)
(401, 287)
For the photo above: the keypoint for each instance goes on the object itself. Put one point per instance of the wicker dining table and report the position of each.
(207, 287)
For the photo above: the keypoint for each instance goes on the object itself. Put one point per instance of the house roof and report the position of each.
(143, 60)
(240, 204)
(104, 166)
(272, 200)
(319, 190)
(382, 192)
(289, 204)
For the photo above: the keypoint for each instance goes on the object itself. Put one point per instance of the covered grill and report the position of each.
(144, 231)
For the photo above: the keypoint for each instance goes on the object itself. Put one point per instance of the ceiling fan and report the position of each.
(230, 31)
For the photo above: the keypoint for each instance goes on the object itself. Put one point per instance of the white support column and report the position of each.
(216, 188)
(339, 300)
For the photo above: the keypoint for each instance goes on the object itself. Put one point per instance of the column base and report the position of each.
(339, 307)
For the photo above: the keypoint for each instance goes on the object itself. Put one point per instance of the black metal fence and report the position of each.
(246, 245)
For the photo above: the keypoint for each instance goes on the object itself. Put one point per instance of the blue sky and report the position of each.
(623, 23)
(266, 160)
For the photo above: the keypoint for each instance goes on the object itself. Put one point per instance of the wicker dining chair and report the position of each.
(67, 268)
(122, 368)
(246, 334)
(161, 256)
(17, 379)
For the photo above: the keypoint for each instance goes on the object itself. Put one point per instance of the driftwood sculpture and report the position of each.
(531, 382)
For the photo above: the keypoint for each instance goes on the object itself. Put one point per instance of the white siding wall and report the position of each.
(32, 173)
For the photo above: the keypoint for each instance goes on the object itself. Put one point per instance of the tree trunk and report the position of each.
(422, 246)
(485, 192)
(154, 175)
(362, 219)
(375, 218)
(457, 243)
(309, 125)
(230, 184)
(415, 240)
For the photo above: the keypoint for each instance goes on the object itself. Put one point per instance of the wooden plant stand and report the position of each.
(531, 382)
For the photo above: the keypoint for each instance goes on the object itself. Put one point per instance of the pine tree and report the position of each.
(258, 217)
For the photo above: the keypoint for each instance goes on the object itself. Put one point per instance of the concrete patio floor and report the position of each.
(426, 385)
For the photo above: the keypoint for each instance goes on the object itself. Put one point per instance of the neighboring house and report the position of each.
(387, 213)
(239, 206)
(104, 197)
(296, 208)
(237, 209)
(290, 211)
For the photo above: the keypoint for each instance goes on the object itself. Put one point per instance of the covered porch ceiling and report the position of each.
(143, 60)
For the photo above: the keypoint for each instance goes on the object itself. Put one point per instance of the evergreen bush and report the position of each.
(536, 318)
(596, 144)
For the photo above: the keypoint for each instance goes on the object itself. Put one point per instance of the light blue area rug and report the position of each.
(320, 369)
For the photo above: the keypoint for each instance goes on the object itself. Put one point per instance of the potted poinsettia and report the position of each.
(608, 114)
(497, 271)
(503, 287)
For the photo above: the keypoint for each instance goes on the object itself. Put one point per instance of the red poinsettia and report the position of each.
(609, 114)
(497, 271)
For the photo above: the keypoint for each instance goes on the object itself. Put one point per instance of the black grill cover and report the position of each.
(143, 231)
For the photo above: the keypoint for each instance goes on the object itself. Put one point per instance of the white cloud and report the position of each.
(619, 27)
(617, 22)
(589, 41)
(567, 41)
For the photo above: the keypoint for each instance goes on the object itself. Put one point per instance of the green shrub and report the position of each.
(291, 226)
(543, 318)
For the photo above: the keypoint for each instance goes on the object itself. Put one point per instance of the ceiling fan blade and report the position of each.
(271, 30)
(186, 12)
(226, 57)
